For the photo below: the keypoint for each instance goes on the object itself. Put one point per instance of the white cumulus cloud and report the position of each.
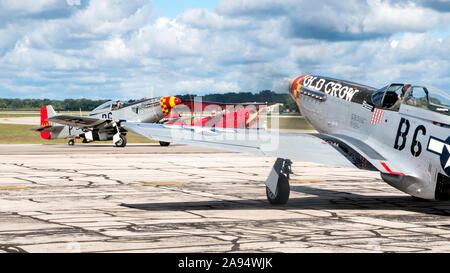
(115, 48)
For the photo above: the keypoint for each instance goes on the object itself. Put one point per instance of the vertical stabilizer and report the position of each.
(46, 112)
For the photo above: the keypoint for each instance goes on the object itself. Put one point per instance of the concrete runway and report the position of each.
(23, 120)
(147, 198)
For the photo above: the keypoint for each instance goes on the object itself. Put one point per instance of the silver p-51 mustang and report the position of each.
(400, 130)
(104, 122)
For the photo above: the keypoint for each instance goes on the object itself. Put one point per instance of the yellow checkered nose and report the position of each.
(167, 103)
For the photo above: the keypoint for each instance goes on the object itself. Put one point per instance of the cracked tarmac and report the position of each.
(97, 198)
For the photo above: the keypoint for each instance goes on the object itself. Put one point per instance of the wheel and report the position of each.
(164, 144)
(71, 142)
(282, 195)
(122, 142)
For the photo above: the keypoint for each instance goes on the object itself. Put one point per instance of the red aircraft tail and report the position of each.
(46, 112)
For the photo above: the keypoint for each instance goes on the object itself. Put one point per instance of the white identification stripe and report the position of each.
(448, 160)
(436, 146)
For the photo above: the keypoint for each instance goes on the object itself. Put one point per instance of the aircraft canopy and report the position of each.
(106, 105)
(427, 97)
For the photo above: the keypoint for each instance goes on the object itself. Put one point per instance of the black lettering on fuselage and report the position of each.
(107, 116)
(401, 134)
(416, 143)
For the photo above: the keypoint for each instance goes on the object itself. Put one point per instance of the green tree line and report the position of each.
(243, 97)
(87, 105)
(59, 105)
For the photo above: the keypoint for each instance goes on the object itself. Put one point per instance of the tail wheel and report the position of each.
(281, 196)
(122, 142)
(71, 142)
(164, 144)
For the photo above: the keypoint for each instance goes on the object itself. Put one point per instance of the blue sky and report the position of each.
(172, 8)
(140, 48)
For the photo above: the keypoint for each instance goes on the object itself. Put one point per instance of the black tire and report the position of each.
(283, 190)
(122, 142)
(164, 144)
(71, 142)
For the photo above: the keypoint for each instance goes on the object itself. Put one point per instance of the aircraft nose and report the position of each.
(176, 101)
(167, 103)
(295, 85)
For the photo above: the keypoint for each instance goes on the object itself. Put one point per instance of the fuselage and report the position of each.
(409, 145)
(147, 111)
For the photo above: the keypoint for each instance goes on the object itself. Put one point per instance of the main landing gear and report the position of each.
(277, 184)
(71, 141)
(121, 141)
(164, 144)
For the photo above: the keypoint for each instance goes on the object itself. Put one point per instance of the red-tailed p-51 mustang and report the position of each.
(400, 130)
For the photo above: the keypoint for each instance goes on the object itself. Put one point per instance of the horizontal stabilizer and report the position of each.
(47, 129)
(40, 128)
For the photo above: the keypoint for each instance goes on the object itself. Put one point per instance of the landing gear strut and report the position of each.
(277, 184)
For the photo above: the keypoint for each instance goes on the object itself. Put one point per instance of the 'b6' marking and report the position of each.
(402, 132)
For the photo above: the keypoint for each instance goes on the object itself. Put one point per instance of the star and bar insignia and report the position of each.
(441, 148)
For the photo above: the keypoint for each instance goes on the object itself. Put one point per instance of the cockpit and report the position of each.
(389, 95)
(104, 106)
(430, 98)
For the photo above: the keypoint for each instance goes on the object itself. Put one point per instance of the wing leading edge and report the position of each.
(294, 146)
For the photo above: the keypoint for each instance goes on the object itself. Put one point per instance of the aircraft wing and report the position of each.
(336, 150)
(294, 146)
(80, 122)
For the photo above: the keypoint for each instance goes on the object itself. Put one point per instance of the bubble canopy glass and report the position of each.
(423, 96)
